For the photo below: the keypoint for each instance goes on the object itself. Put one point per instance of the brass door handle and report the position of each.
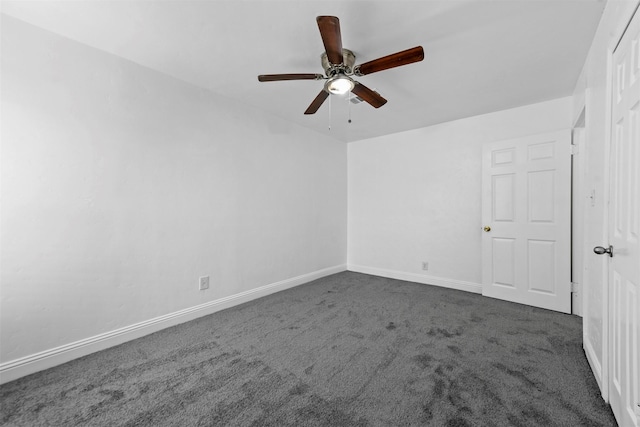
(487, 228)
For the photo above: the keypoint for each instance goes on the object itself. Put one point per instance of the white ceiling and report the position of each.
(480, 55)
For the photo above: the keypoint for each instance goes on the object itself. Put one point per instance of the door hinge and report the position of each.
(575, 287)
(574, 149)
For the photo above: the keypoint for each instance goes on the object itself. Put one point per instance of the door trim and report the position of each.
(578, 200)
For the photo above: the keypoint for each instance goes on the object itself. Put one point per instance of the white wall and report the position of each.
(416, 196)
(121, 186)
(592, 94)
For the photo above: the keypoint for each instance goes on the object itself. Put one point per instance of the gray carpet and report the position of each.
(346, 350)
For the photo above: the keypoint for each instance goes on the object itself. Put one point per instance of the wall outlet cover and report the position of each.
(204, 283)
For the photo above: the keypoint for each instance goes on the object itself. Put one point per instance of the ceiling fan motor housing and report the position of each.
(348, 60)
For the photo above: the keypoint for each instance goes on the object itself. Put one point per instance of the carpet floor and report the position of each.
(346, 350)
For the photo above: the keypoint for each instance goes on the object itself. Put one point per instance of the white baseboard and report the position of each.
(418, 278)
(596, 367)
(27, 365)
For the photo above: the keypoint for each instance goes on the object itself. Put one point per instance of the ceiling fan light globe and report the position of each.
(339, 85)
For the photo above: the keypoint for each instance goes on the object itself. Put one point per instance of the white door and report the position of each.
(624, 230)
(526, 213)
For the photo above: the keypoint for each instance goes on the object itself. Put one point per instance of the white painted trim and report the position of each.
(592, 358)
(578, 208)
(27, 365)
(460, 285)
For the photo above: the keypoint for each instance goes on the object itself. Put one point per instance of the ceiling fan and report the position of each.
(338, 64)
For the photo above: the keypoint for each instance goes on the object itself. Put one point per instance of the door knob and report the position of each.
(601, 251)
(487, 228)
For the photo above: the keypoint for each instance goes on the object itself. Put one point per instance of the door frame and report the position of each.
(578, 210)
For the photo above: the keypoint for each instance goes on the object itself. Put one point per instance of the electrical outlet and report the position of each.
(425, 265)
(204, 283)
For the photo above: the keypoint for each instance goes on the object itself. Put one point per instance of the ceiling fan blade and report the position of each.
(409, 56)
(330, 32)
(317, 102)
(368, 95)
(279, 77)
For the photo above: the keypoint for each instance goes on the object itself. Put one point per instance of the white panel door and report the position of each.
(624, 230)
(526, 214)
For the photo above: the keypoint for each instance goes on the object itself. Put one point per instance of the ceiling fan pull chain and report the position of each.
(349, 102)
(330, 103)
